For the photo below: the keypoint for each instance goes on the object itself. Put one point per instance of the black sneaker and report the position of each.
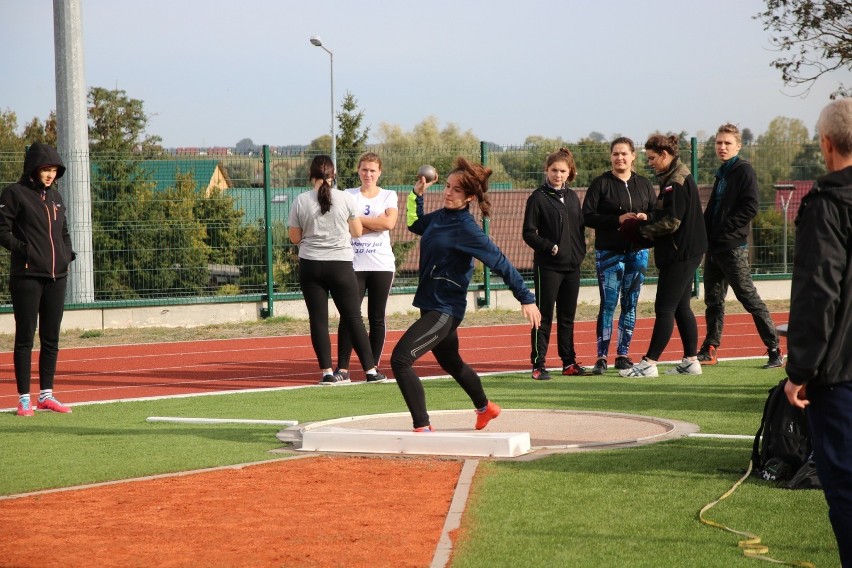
(377, 378)
(540, 374)
(338, 378)
(600, 366)
(573, 369)
(623, 362)
(707, 355)
(776, 359)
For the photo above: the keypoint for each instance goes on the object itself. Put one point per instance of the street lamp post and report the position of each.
(315, 40)
(783, 188)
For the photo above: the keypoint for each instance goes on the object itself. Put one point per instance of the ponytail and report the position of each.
(322, 168)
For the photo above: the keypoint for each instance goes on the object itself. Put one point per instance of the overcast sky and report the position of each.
(212, 72)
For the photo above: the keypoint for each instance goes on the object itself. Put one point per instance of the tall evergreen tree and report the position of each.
(351, 142)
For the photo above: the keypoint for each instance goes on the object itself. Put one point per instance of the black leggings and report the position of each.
(434, 332)
(318, 279)
(674, 290)
(378, 285)
(36, 302)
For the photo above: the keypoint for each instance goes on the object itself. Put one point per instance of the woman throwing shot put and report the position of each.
(450, 240)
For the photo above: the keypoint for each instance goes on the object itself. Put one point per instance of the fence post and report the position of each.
(268, 311)
(693, 154)
(485, 301)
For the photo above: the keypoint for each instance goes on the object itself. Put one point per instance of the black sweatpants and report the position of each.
(674, 290)
(36, 302)
(434, 332)
(376, 285)
(318, 279)
(561, 289)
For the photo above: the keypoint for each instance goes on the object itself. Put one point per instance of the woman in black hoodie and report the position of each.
(553, 228)
(34, 229)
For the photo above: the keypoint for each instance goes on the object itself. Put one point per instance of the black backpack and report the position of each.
(782, 450)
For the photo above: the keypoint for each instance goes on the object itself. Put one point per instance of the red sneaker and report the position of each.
(25, 408)
(427, 428)
(53, 405)
(491, 412)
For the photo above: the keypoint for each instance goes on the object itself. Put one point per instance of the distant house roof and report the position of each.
(208, 174)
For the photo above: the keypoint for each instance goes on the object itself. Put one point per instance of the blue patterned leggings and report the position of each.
(619, 274)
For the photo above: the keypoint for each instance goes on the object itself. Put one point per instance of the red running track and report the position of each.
(90, 374)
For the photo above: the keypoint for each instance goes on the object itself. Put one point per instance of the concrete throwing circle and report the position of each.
(549, 430)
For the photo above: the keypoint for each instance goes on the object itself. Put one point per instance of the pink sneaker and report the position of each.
(483, 418)
(25, 408)
(53, 405)
(427, 428)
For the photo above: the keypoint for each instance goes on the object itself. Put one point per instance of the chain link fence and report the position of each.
(201, 228)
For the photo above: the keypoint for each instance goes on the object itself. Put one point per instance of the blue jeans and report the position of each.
(830, 420)
(620, 274)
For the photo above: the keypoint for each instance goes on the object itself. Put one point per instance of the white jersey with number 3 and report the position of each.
(373, 252)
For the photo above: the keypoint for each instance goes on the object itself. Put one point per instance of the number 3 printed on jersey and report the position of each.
(367, 210)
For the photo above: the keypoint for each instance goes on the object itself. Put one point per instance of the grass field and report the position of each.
(625, 507)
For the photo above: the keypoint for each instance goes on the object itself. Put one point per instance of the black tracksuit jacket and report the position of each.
(32, 220)
(547, 222)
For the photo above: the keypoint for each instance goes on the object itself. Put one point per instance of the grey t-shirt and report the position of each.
(324, 237)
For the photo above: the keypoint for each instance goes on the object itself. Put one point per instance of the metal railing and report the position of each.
(202, 228)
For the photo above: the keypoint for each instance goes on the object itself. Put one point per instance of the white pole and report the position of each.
(73, 145)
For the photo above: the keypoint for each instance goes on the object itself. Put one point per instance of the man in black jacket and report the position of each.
(819, 365)
(727, 218)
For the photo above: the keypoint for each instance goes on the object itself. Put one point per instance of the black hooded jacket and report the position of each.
(819, 338)
(32, 219)
(728, 222)
(550, 221)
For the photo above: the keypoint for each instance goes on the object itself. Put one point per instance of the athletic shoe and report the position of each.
(53, 405)
(427, 428)
(573, 369)
(686, 367)
(341, 376)
(600, 366)
(491, 412)
(540, 374)
(623, 362)
(332, 380)
(707, 355)
(641, 369)
(377, 378)
(25, 408)
(776, 359)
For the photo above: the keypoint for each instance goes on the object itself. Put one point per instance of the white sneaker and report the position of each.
(641, 369)
(686, 367)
